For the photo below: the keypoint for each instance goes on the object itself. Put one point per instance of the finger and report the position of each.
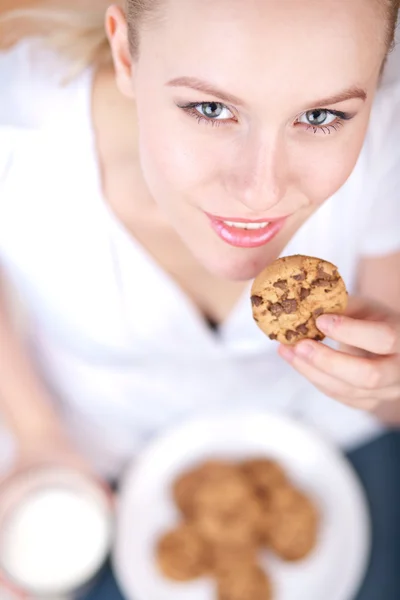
(385, 396)
(342, 394)
(367, 373)
(373, 336)
(331, 386)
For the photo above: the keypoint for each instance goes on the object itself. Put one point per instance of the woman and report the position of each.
(124, 191)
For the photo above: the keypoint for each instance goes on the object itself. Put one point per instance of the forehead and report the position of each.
(248, 43)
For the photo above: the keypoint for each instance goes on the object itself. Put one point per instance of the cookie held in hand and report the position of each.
(292, 292)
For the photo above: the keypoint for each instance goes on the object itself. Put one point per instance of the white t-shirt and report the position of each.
(123, 351)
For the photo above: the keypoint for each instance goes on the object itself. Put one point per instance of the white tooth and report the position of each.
(256, 225)
(247, 225)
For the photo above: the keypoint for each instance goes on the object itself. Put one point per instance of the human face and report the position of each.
(253, 111)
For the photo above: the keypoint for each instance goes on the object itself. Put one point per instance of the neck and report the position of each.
(115, 130)
(114, 121)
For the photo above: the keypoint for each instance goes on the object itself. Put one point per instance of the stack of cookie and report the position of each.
(229, 512)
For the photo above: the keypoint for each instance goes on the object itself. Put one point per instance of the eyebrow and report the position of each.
(209, 89)
(350, 94)
(206, 88)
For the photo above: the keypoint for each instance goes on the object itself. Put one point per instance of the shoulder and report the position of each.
(33, 188)
(18, 146)
(33, 84)
(19, 153)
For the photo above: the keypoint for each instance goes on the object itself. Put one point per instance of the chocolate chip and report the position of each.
(304, 293)
(300, 276)
(319, 337)
(321, 274)
(281, 284)
(276, 309)
(290, 306)
(303, 329)
(325, 280)
(318, 312)
(291, 335)
(321, 282)
(256, 300)
(273, 336)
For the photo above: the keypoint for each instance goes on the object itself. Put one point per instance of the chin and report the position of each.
(242, 267)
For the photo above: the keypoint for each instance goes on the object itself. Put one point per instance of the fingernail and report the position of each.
(327, 323)
(287, 353)
(304, 350)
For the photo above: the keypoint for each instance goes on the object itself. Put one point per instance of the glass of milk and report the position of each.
(56, 529)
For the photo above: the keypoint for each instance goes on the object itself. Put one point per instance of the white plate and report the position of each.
(333, 572)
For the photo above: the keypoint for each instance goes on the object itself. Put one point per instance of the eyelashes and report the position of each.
(328, 129)
(197, 111)
(194, 109)
(332, 120)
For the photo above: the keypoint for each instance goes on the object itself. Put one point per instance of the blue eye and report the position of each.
(213, 110)
(324, 120)
(318, 117)
(215, 113)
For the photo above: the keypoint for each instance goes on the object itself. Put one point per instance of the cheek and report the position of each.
(172, 159)
(328, 166)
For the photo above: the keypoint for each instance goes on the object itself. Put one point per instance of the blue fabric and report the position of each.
(378, 466)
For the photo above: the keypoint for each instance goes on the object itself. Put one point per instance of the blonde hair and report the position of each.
(81, 35)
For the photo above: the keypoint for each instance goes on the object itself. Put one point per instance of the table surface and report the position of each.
(378, 466)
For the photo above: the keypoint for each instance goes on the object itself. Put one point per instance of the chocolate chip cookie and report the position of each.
(264, 476)
(224, 508)
(292, 292)
(221, 490)
(187, 485)
(293, 524)
(226, 558)
(233, 526)
(183, 555)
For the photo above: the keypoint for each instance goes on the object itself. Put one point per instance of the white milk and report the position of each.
(55, 540)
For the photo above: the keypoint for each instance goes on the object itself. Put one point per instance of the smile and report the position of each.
(243, 233)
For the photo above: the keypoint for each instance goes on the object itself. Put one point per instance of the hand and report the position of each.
(365, 373)
(53, 448)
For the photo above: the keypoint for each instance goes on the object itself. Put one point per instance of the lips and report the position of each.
(243, 233)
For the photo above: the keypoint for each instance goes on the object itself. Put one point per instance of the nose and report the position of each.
(258, 179)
